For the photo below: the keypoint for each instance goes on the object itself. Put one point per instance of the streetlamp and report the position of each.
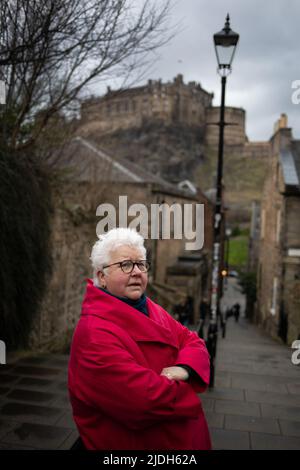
(225, 45)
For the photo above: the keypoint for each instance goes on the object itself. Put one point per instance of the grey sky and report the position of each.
(266, 62)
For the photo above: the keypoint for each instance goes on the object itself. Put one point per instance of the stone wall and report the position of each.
(278, 306)
(270, 256)
(261, 150)
(191, 275)
(73, 232)
(291, 271)
(164, 256)
(234, 133)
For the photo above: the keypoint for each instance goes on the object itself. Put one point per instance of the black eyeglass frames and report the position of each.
(127, 266)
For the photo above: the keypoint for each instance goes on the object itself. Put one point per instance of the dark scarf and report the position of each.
(140, 304)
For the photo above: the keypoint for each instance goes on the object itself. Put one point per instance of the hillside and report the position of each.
(243, 180)
(172, 152)
(178, 152)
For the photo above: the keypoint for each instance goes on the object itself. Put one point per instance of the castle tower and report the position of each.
(235, 130)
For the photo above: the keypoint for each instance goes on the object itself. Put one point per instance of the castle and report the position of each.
(169, 102)
(173, 102)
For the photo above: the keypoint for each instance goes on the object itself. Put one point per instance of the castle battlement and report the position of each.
(170, 102)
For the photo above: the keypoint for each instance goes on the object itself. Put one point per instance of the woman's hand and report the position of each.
(175, 373)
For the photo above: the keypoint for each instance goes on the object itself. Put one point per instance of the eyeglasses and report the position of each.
(127, 266)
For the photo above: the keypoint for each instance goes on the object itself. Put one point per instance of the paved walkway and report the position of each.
(255, 403)
(34, 405)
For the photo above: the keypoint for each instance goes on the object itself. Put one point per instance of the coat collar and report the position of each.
(153, 328)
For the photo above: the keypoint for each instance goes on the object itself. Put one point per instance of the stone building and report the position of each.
(89, 178)
(278, 286)
(170, 102)
(254, 237)
(235, 138)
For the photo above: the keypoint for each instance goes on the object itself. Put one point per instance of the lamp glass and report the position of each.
(225, 56)
(225, 44)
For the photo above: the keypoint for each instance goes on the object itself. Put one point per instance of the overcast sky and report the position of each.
(267, 60)
(266, 63)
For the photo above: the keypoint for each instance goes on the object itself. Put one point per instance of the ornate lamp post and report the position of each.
(225, 45)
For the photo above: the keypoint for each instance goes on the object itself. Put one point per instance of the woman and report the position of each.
(134, 371)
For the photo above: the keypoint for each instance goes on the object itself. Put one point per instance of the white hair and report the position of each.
(110, 241)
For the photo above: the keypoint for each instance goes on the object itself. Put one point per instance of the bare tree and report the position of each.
(50, 50)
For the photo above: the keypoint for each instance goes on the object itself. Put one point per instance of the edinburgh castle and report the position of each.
(171, 129)
(169, 103)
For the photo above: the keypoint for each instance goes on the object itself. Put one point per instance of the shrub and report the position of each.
(24, 244)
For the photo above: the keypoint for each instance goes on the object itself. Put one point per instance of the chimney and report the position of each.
(281, 123)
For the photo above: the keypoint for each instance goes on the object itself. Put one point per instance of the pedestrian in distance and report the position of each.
(189, 310)
(134, 372)
(179, 312)
(223, 320)
(236, 311)
(203, 309)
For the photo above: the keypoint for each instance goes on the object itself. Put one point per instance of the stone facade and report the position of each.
(278, 306)
(234, 133)
(254, 237)
(191, 275)
(261, 150)
(170, 102)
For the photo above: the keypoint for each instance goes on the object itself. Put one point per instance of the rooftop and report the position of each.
(290, 162)
(85, 161)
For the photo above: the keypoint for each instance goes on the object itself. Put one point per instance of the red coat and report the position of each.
(119, 399)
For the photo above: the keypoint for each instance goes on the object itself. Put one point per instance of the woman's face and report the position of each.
(117, 282)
